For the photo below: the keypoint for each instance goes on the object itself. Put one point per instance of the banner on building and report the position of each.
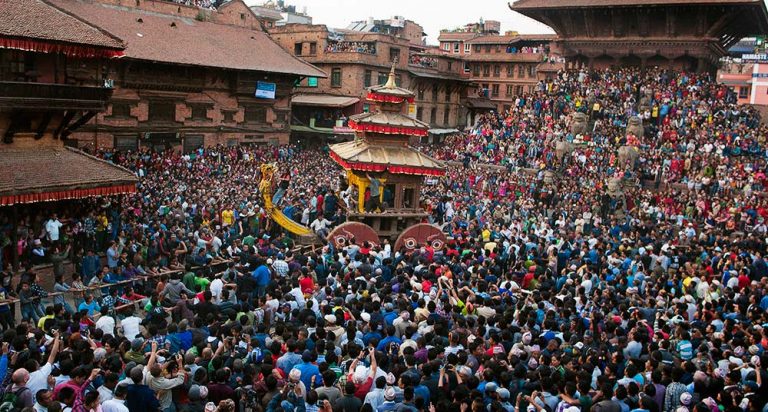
(758, 57)
(265, 90)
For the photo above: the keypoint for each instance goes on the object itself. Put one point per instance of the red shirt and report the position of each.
(307, 284)
(363, 389)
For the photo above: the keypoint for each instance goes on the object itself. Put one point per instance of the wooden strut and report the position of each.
(64, 123)
(85, 118)
(43, 125)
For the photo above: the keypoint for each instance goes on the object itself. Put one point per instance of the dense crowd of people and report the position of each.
(529, 49)
(423, 61)
(567, 285)
(351, 47)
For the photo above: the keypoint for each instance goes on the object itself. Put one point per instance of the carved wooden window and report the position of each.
(336, 77)
(229, 115)
(121, 109)
(199, 112)
(255, 114)
(126, 142)
(162, 111)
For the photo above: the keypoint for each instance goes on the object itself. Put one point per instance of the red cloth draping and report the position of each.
(385, 129)
(71, 50)
(374, 167)
(8, 200)
(386, 98)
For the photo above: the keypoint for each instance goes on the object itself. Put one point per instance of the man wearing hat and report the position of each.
(136, 354)
(198, 395)
(389, 403)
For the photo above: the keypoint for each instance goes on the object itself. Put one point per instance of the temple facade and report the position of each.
(681, 34)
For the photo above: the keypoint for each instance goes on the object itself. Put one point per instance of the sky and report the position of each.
(433, 15)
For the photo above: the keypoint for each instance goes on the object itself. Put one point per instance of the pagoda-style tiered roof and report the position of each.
(363, 156)
(381, 142)
(389, 92)
(388, 123)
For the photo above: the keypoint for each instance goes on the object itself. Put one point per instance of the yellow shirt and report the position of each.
(227, 217)
(42, 320)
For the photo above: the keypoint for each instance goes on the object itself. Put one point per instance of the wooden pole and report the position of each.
(15, 238)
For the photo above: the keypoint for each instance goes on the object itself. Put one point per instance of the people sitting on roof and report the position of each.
(423, 61)
(350, 47)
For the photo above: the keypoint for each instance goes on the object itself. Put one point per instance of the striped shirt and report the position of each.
(685, 348)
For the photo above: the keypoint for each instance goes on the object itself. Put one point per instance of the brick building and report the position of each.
(42, 105)
(683, 34)
(189, 76)
(501, 66)
(357, 59)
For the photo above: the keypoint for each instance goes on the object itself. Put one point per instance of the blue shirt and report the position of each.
(309, 370)
(261, 275)
(92, 308)
(382, 346)
(288, 361)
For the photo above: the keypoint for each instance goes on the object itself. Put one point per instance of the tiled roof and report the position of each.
(549, 4)
(179, 40)
(323, 100)
(359, 151)
(459, 35)
(493, 39)
(36, 19)
(389, 119)
(53, 169)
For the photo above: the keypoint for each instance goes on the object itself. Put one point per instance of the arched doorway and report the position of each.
(657, 61)
(603, 62)
(631, 61)
(578, 61)
(686, 63)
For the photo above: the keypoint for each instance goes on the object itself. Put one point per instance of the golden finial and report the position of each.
(391, 80)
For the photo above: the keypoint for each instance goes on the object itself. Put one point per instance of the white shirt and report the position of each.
(105, 394)
(38, 380)
(131, 327)
(114, 405)
(106, 324)
(216, 287)
(318, 224)
(216, 244)
(52, 227)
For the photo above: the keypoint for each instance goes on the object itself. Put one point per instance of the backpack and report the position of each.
(11, 400)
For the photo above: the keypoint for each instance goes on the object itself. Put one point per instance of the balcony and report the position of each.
(23, 95)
